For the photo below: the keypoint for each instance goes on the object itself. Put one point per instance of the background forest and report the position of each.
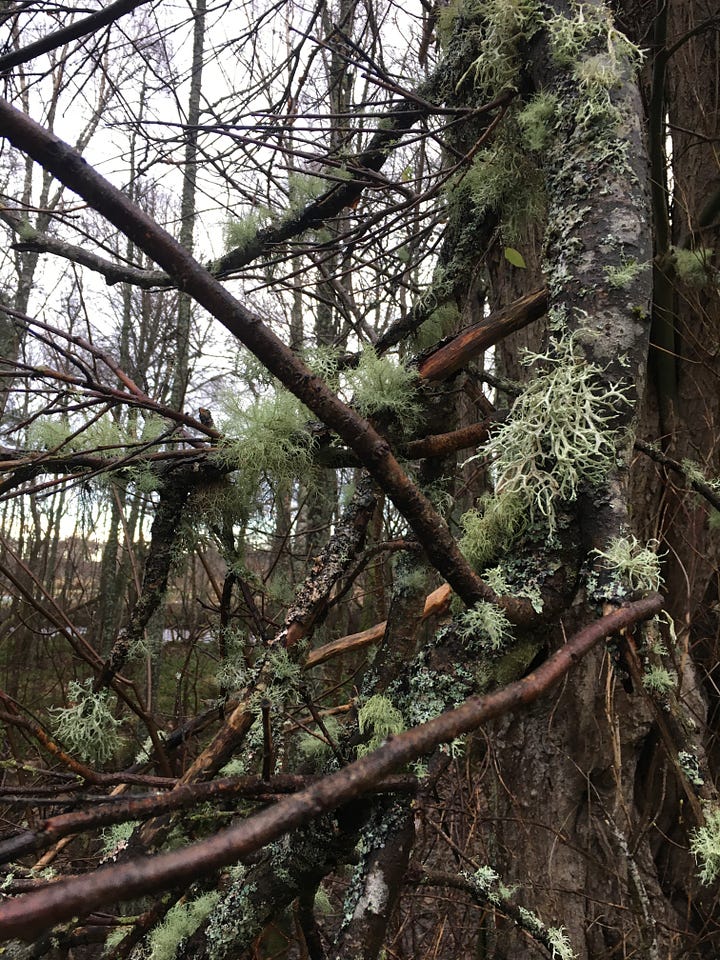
(359, 484)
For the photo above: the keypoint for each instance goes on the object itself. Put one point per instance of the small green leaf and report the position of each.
(515, 257)
(406, 174)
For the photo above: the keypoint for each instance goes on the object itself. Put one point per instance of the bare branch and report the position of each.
(28, 914)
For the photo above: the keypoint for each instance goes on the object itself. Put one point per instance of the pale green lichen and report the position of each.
(503, 180)
(322, 905)
(46, 434)
(285, 675)
(485, 627)
(181, 922)
(695, 474)
(302, 188)
(380, 718)
(632, 564)
(659, 680)
(240, 233)
(500, 28)
(705, 846)
(144, 477)
(324, 361)
(434, 691)
(315, 749)
(381, 385)
(87, 727)
(487, 882)
(496, 577)
(235, 918)
(559, 435)
(535, 119)
(233, 671)
(113, 939)
(443, 320)
(693, 267)
(267, 436)
(590, 31)
(115, 838)
(623, 276)
(492, 528)
(107, 432)
(560, 945)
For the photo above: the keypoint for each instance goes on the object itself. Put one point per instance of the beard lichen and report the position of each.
(380, 385)
(380, 718)
(490, 887)
(182, 920)
(268, 435)
(485, 627)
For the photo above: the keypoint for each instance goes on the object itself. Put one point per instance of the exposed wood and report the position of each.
(435, 603)
(471, 341)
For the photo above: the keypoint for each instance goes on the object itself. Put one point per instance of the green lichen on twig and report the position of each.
(658, 680)
(181, 921)
(535, 121)
(694, 267)
(87, 727)
(493, 527)
(490, 888)
(267, 437)
(498, 28)
(381, 385)
(622, 276)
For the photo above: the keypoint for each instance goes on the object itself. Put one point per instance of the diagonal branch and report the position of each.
(27, 915)
(373, 451)
(81, 28)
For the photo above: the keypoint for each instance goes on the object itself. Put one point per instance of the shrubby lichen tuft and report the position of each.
(181, 922)
(485, 627)
(705, 846)
(315, 749)
(559, 434)
(659, 680)
(380, 385)
(87, 727)
(624, 275)
(492, 528)
(693, 267)
(632, 564)
(266, 437)
(535, 119)
(115, 838)
(380, 717)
